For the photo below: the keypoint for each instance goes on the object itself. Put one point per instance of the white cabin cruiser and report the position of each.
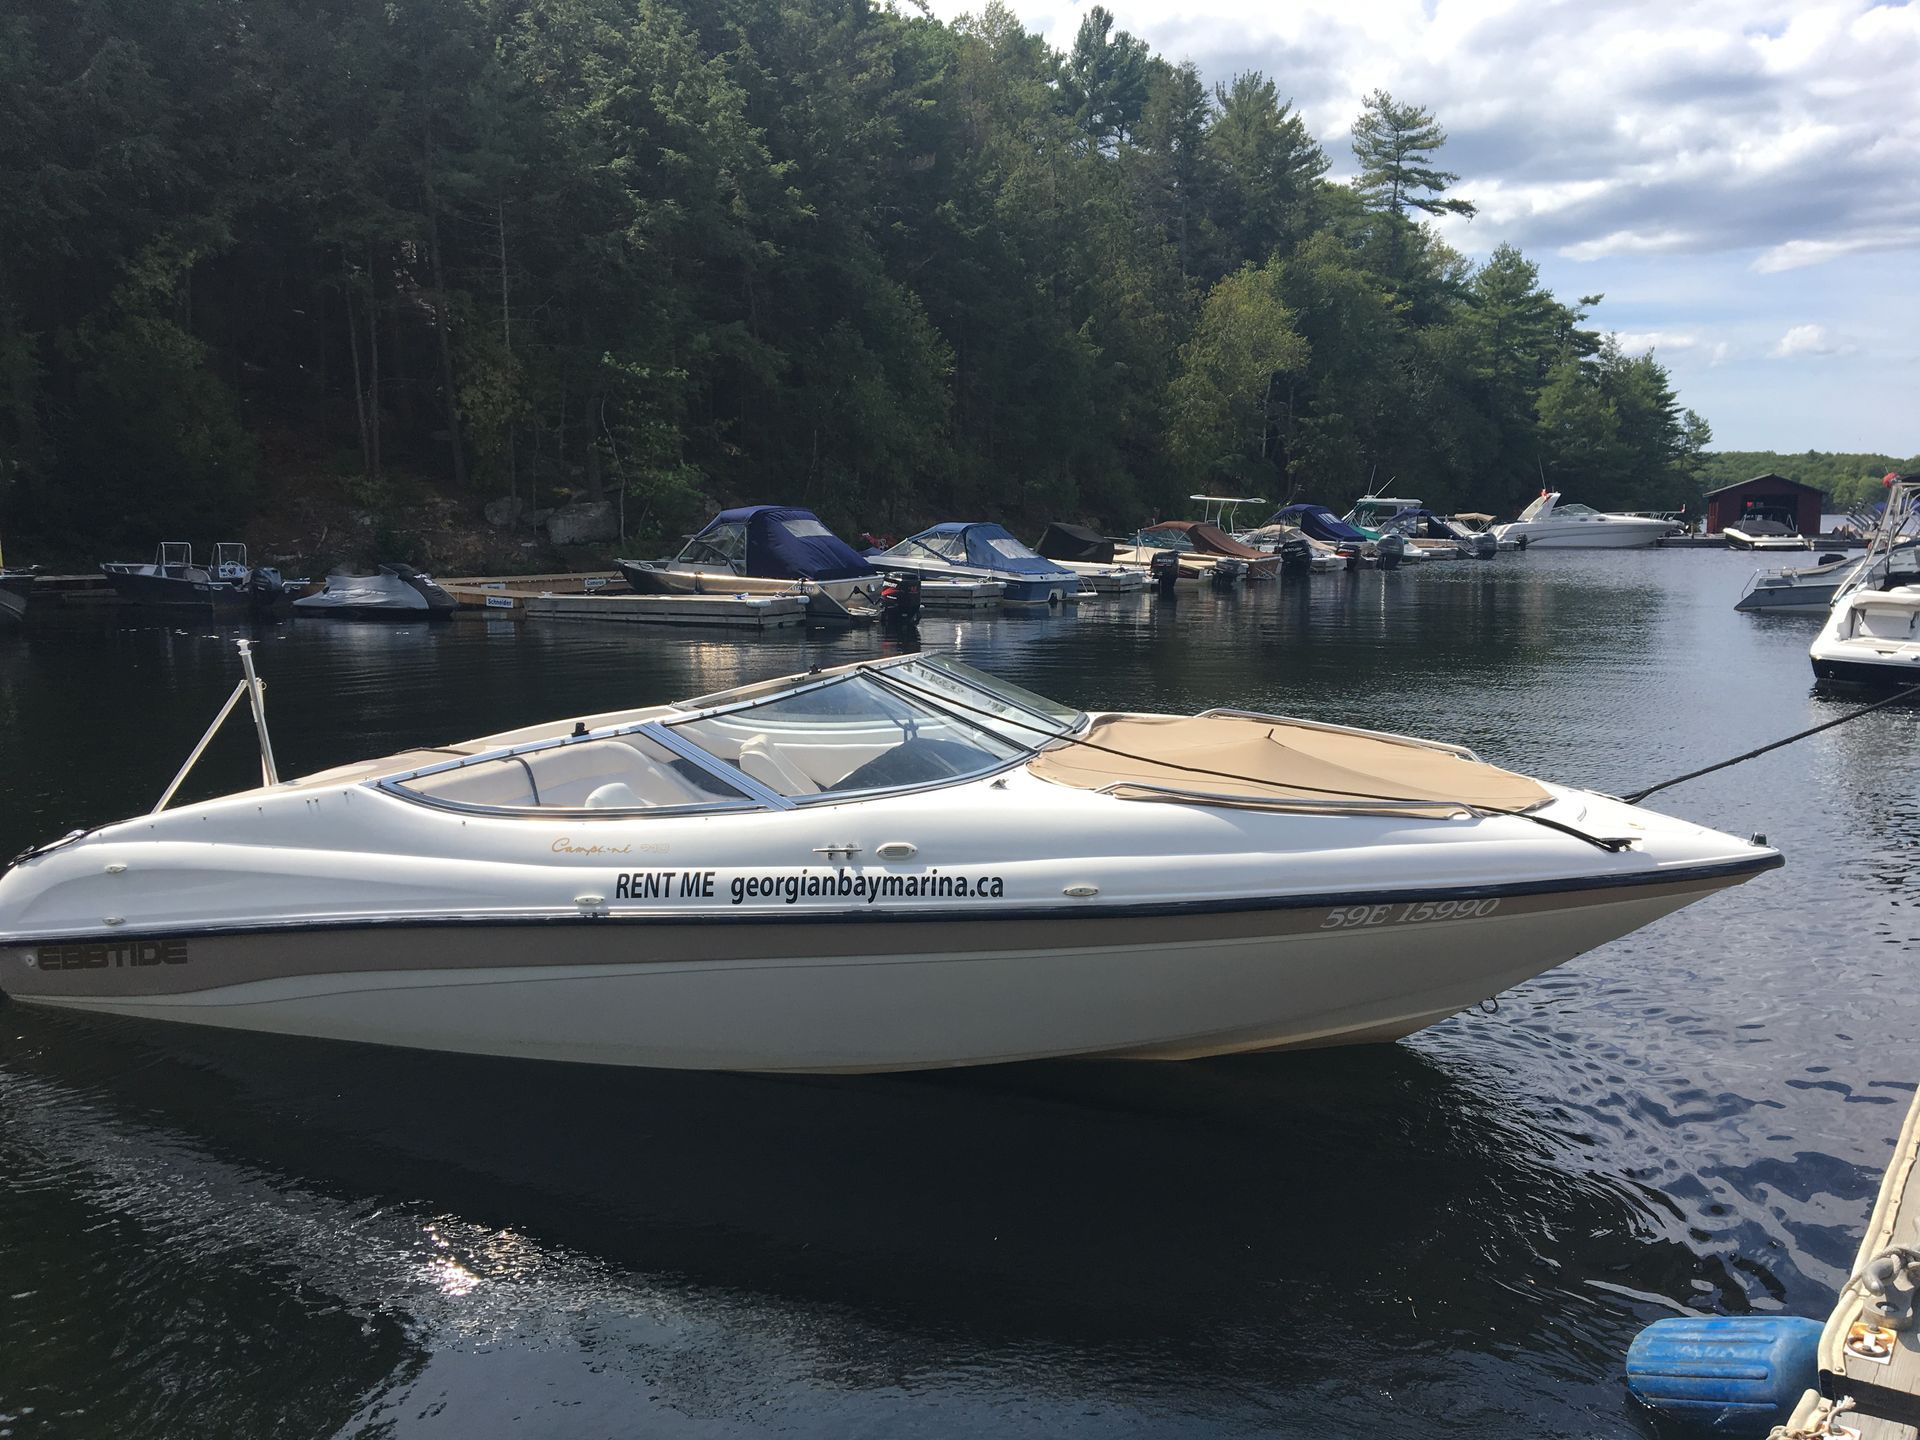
(1872, 634)
(896, 864)
(1548, 522)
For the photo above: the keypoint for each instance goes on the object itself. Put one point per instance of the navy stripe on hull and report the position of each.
(1729, 870)
(1866, 676)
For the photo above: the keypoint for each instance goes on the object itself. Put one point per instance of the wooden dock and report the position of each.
(606, 598)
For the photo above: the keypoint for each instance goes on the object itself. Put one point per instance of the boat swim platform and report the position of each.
(961, 594)
(594, 597)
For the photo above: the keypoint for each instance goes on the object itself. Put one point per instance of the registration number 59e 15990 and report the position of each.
(1348, 917)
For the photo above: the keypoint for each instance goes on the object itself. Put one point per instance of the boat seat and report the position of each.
(761, 758)
(615, 795)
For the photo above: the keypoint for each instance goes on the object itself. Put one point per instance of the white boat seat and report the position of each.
(761, 758)
(614, 795)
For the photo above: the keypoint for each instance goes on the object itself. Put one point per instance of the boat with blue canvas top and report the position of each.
(976, 550)
(776, 550)
(1319, 523)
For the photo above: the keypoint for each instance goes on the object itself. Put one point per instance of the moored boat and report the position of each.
(1760, 532)
(173, 578)
(978, 550)
(1205, 549)
(896, 864)
(1089, 555)
(392, 592)
(775, 550)
(1809, 589)
(1548, 521)
(1320, 524)
(1871, 637)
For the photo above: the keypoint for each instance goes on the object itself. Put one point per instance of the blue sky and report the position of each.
(1739, 178)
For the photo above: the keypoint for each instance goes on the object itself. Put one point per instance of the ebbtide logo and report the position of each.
(113, 956)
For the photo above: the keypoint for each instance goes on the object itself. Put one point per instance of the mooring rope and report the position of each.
(1909, 693)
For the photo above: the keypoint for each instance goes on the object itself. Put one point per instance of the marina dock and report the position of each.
(594, 597)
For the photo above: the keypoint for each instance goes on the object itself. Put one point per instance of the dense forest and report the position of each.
(826, 253)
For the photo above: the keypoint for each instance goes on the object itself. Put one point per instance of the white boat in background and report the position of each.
(1757, 532)
(1872, 634)
(893, 865)
(1549, 522)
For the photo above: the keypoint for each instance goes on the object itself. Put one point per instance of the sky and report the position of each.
(1739, 178)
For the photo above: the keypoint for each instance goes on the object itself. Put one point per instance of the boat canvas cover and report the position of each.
(787, 543)
(1269, 763)
(1207, 539)
(1319, 522)
(984, 545)
(1075, 542)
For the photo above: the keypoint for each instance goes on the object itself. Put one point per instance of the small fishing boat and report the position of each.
(1872, 634)
(976, 550)
(1089, 555)
(1205, 549)
(1761, 532)
(173, 578)
(1855, 1377)
(776, 550)
(392, 592)
(896, 864)
(1547, 521)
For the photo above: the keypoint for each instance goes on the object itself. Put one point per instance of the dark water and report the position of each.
(1459, 1234)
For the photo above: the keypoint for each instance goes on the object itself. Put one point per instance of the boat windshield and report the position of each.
(1009, 710)
(1576, 510)
(725, 543)
(850, 734)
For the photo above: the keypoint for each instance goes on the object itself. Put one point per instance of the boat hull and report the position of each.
(142, 589)
(856, 992)
(1585, 535)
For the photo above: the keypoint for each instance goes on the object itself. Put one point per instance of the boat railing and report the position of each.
(1225, 713)
(1896, 519)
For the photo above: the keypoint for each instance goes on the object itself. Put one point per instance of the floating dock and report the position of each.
(606, 598)
(961, 594)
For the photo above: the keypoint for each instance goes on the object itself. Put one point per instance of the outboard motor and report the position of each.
(899, 599)
(1296, 556)
(1165, 569)
(1227, 573)
(1390, 550)
(1484, 547)
(265, 587)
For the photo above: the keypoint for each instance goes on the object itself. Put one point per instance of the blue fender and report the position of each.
(1738, 1374)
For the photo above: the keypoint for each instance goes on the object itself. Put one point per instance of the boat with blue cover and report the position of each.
(974, 550)
(775, 550)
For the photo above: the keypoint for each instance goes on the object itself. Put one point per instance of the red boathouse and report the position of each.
(1773, 496)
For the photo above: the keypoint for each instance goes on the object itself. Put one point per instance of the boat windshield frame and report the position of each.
(1032, 732)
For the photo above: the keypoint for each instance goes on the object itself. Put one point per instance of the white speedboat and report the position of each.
(1548, 522)
(1758, 532)
(897, 864)
(1872, 634)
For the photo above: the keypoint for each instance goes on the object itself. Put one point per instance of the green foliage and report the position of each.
(1852, 481)
(675, 254)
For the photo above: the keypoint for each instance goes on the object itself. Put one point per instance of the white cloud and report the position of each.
(1635, 342)
(1809, 340)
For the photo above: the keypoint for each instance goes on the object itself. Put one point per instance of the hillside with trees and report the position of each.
(831, 254)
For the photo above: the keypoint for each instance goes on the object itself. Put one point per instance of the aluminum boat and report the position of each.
(896, 864)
